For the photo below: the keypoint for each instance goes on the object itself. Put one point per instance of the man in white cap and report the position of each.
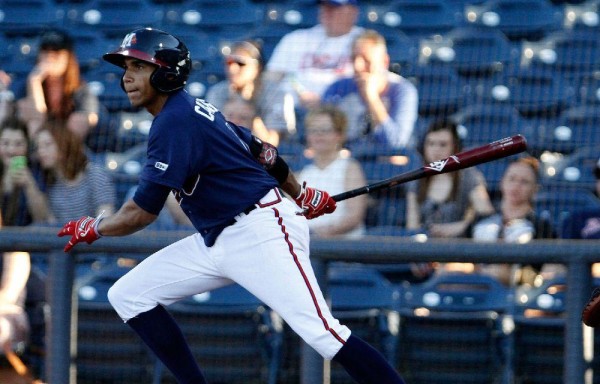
(313, 58)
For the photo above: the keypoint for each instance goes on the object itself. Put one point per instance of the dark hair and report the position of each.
(597, 169)
(74, 159)
(55, 40)
(442, 124)
(254, 49)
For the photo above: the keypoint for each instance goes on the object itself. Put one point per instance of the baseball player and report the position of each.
(228, 183)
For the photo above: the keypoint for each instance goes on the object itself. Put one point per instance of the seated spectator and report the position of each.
(516, 221)
(21, 202)
(311, 59)
(332, 170)
(74, 186)
(446, 204)
(6, 97)
(381, 106)
(55, 89)
(274, 107)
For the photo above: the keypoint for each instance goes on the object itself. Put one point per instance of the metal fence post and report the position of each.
(59, 290)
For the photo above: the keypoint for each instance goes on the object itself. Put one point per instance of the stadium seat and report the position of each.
(575, 128)
(440, 90)
(472, 51)
(114, 18)
(234, 21)
(107, 349)
(451, 329)
(539, 334)
(28, 17)
(534, 92)
(572, 226)
(569, 52)
(286, 16)
(588, 88)
(484, 123)
(517, 19)
(367, 303)
(556, 204)
(235, 337)
(419, 17)
(574, 170)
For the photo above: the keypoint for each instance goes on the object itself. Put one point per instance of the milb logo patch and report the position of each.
(161, 166)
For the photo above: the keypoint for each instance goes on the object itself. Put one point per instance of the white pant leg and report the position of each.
(267, 252)
(177, 271)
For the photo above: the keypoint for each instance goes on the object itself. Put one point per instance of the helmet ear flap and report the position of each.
(166, 81)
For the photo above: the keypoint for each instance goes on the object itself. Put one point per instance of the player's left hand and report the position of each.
(314, 202)
(84, 229)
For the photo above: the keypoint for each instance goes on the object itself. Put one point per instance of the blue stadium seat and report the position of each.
(235, 20)
(484, 123)
(575, 128)
(473, 51)
(588, 88)
(571, 52)
(517, 19)
(419, 17)
(556, 204)
(451, 329)
(572, 226)
(113, 18)
(28, 17)
(366, 302)
(574, 170)
(291, 15)
(535, 93)
(440, 89)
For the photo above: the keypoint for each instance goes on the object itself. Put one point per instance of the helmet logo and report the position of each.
(129, 40)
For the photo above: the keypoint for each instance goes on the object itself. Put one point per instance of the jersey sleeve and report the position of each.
(171, 156)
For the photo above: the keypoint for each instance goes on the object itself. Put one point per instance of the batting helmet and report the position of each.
(167, 52)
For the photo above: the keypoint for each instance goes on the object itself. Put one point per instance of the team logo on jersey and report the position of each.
(161, 166)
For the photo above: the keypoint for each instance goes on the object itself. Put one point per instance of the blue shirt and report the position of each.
(206, 161)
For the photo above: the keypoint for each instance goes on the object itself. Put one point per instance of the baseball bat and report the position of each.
(469, 158)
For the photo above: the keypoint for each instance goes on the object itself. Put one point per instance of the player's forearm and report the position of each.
(129, 219)
(291, 185)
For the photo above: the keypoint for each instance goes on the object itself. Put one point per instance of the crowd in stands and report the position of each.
(326, 88)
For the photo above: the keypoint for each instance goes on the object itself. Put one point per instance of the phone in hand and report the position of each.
(17, 162)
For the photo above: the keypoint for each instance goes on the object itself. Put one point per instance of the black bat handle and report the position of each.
(387, 183)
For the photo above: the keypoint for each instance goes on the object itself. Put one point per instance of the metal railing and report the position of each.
(577, 255)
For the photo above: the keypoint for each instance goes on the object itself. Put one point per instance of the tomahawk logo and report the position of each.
(441, 164)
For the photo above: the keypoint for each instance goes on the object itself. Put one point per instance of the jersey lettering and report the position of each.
(205, 109)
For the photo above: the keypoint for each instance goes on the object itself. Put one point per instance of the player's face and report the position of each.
(337, 19)
(47, 150)
(321, 135)
(136, 81)
(12, 143)
(518, 184)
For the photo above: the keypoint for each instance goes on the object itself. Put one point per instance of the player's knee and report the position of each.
(117, 297)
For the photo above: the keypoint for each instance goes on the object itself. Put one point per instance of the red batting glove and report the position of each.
(314, 202)
(84, 229)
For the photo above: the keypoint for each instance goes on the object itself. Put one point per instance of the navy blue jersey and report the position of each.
(205, 160)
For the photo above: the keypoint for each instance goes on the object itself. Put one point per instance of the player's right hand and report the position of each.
(314, 202)
(83, 230)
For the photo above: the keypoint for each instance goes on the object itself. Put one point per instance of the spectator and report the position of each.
(381, 106)
(274, 107)
(243, 113)
(6, 97)
(313, 58)
(446, 204)
(72, 183)
(55, 89)
(332, 170)
(21, 202)
(584, 223)
(516, 221)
